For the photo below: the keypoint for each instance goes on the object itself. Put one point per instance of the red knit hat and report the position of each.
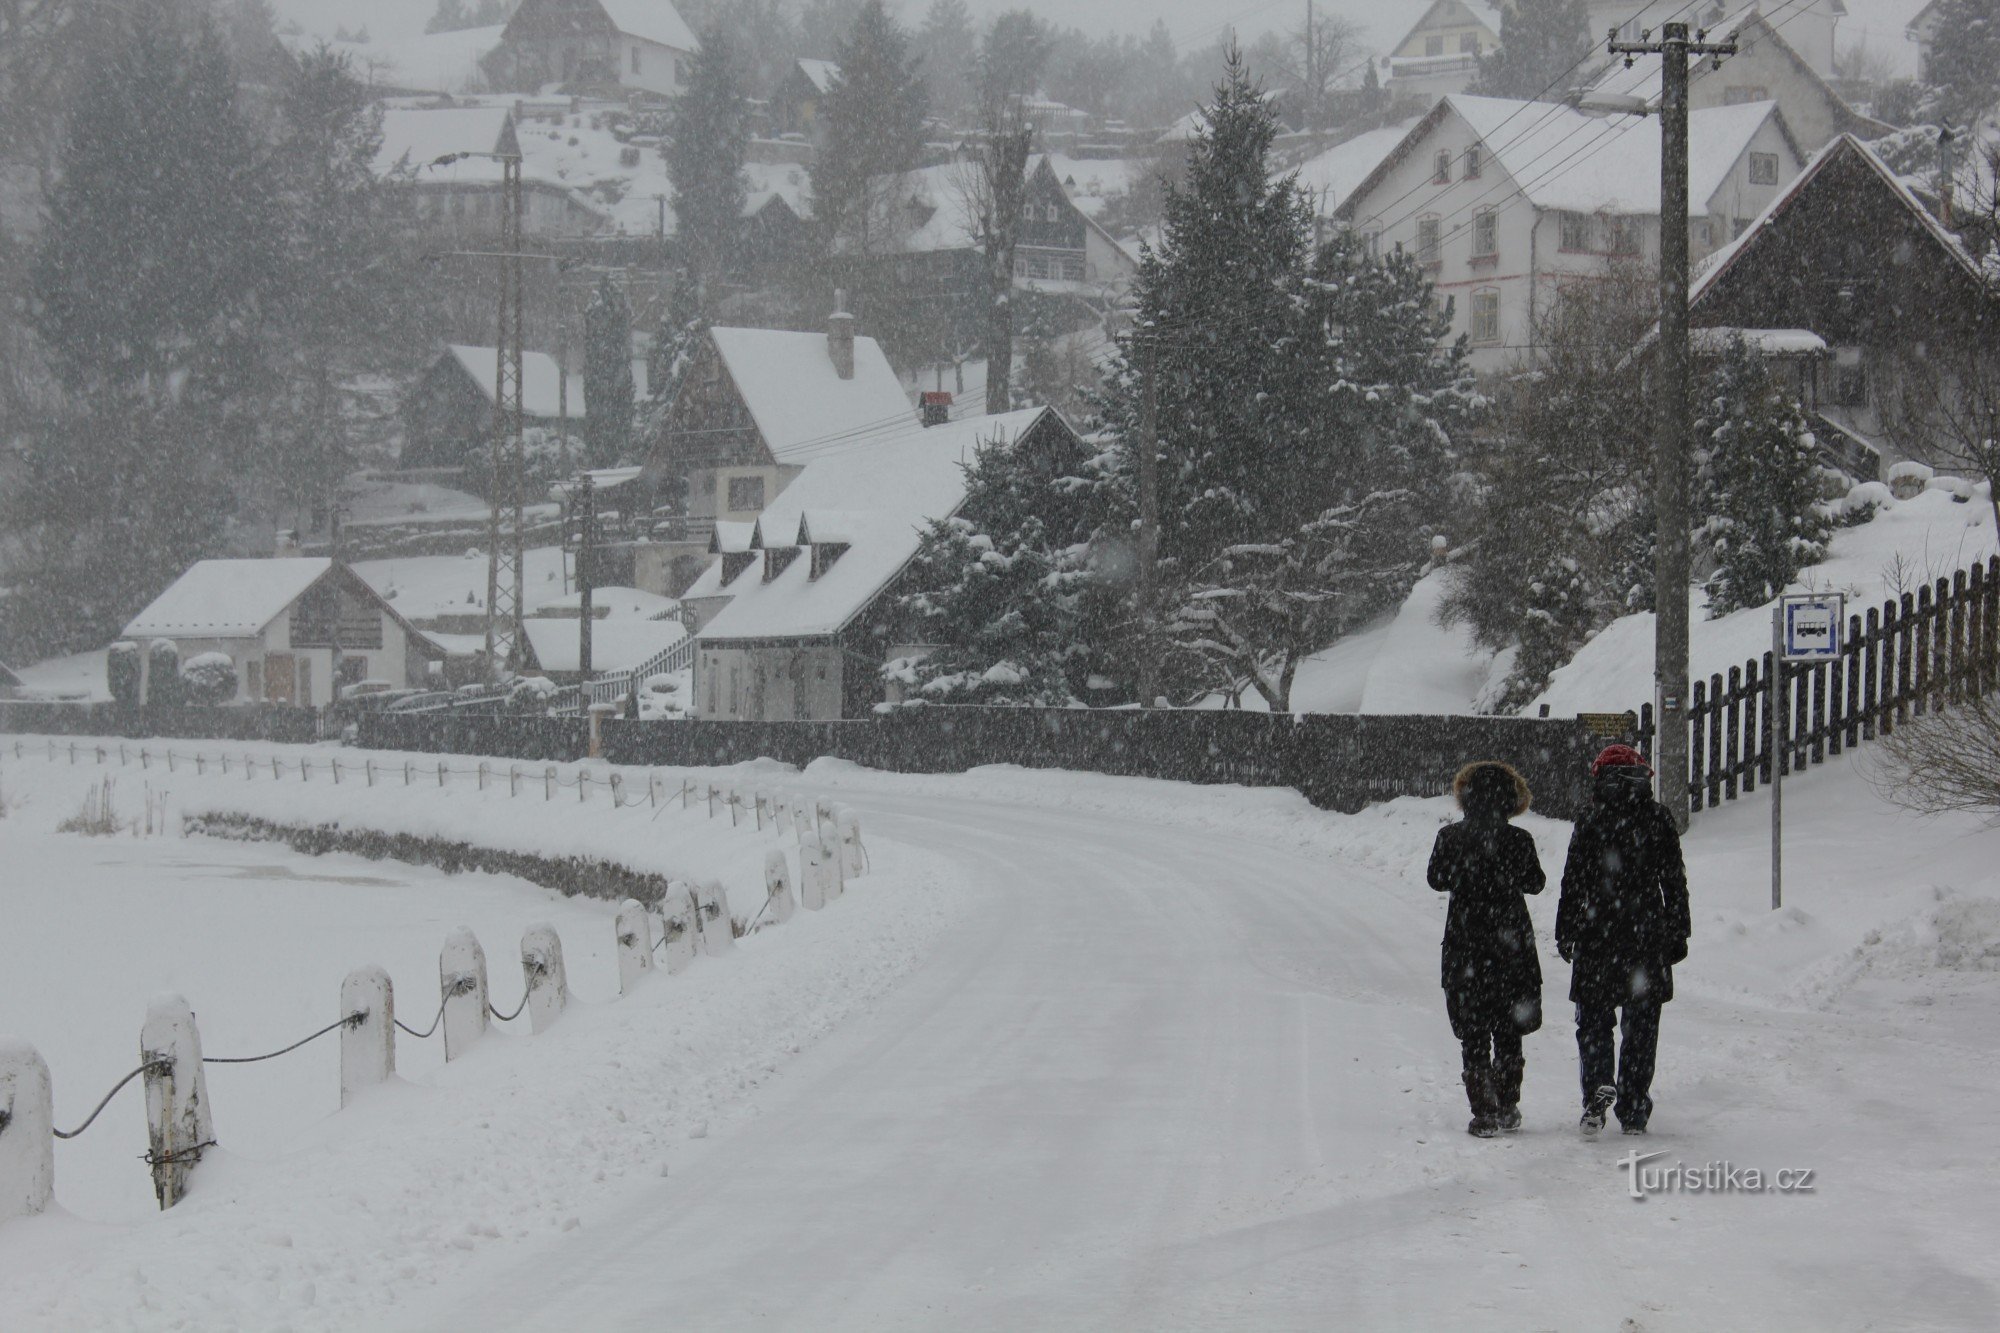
(1618, 756)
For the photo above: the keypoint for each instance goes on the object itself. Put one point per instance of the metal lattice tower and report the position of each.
(504, 592)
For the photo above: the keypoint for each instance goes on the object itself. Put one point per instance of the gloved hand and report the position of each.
(1567, 948)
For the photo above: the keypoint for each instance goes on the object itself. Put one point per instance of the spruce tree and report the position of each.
(1540, 41)
(607, 377)
(150, 291)
(1758, 485)
(704, 150)
(874, 127)
(1962, 77)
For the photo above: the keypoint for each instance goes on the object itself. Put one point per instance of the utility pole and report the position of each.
(1672, 557)
(586, 543)
(1149, 516)
(504, 592)
(1312, 62)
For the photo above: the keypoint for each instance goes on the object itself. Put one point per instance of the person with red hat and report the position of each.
(1622, 924)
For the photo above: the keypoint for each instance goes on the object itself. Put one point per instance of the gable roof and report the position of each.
(802, 407)
(1746, 28)
(652, 21)
(415, 137)
(617, 643)
(1336, 173)
(1487, 15)
(541, 391)
(1561, 158)
(822, 74)
(228, 599)
(936, 208)
(875, 500)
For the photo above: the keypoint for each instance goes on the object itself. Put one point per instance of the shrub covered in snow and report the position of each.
(124, 675)
(163, 674)
(208, 679)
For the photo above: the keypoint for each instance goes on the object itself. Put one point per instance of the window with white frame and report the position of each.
(1427, 240)
(1578, 231)
(1763, 168)
(1441, 168)
(1485, 327)
(1434, 46)
(1486, 234)
(1701, 233)
(1624, 236)
(1475, 162)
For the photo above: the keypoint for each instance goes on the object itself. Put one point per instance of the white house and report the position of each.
(284, 622)
(640, 45)
(1439, 55)
(797, 617)
(1505, 202)
(1765, 68)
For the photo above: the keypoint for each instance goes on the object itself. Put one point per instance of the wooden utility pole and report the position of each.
(1149, 517)
(504, 592)
(1672, 557)
(586, 541)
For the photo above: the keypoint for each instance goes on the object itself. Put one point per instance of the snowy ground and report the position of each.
(1157, 1056)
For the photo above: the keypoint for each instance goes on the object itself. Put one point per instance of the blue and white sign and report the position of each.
(1809, 627)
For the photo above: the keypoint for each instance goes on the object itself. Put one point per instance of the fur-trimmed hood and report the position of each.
(1462, 784)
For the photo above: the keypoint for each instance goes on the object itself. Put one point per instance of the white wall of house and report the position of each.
(652, 67)
(308, 673)
(792, 681)
(1758, 72)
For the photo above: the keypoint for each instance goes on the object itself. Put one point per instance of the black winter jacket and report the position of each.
(1624, 908)
(1492, 979)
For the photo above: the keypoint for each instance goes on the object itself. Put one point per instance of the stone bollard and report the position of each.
(812, 872)
(27, 1131)
(801, 820)
(832, 864)
(678, 932)
(778, 887)
(548, 981)
(854, 857)
(462, 982)
(781, 814)
(635, 945)
(718, 933)
(178, 1122)
(367, 1048)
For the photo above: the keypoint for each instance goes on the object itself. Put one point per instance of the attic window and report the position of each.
(1763, 168)
(1474, 162)
(823, 556)
(734, 563)
(1441, 171)
(1434, 46)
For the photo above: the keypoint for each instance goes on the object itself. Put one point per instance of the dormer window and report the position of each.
(777, 559)
(823, 556)
(735, 562)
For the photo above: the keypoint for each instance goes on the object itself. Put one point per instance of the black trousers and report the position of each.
(1504, 1044)
(1628, 1067)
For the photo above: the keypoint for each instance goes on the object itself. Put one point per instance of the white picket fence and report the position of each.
(691, 920)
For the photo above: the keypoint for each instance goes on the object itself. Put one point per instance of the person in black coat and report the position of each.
(1491, 976)
(1622, 924)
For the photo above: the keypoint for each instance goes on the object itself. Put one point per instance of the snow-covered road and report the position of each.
(1173, 1078)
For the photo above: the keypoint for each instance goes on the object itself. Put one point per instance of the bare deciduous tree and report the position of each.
(1943, 762)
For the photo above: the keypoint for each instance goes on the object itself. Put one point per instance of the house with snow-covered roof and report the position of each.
(597, 46)
(1765, 68)
(1848, 257)
(448, 414)
(1506, 203)
(444, 163)
(796, 101)
(294, 628)
(796, 617)
(1440, 53)
(1809, 26)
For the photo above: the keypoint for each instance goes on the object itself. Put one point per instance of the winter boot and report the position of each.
(1479, 1093)
(1507, 1075)
(1596, 1109)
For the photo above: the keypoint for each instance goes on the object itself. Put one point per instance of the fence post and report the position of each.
(677, 929)
(635, 945)
(201, 765)
(482, 775)
(582, 785)
(547, 980)
(617, 791)
(718, 933)
(513, 780)
(686, 788)
(778, 886)
(100, 756)
(462, 980)
(367, 1048)
(712, 791)
(368, 770)
(305, 766)
(27, 1131)
(144, 758)
(335, 761)
(848, 824)
(123, 760)
(408, 770)
(652, 790)
(178, 1122)
(549, 783)
(170, 755)
(440, 772)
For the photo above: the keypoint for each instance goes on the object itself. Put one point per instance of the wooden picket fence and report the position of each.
(1915, 654)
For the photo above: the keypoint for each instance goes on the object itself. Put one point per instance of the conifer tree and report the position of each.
(1540, 43)
(1962, 77)
(874, 118)
(607, 377)
(1758, 485)
(705, 146)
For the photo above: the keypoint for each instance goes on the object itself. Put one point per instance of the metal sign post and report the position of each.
(1805, 627)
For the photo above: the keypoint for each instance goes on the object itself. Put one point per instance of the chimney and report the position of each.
(840, 337)
(935, 407)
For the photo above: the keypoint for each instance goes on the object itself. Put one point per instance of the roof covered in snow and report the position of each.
(875, 500)
(227, 599)
(1560, 158)
(617, 643)
(653, 21)
(802, 407)
(822, 74)
(415, 137)
(1339, 171)
(612, 603)
(435, 62)
(540, 382)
